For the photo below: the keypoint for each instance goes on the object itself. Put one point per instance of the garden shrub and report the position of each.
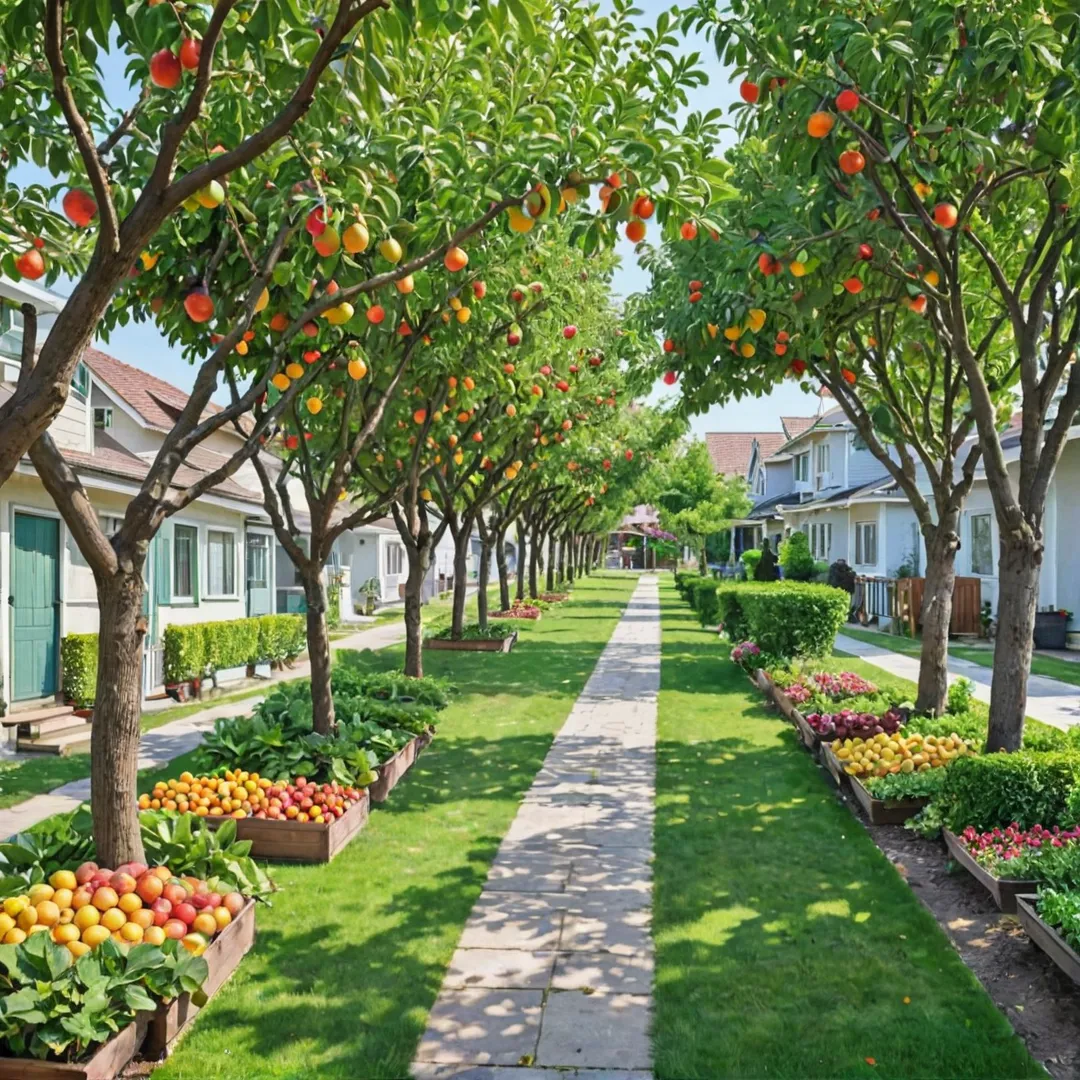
(78, 662)
(994, 790)
(750, 559)
(795, 558)
(702, 596)
(785, 618)
(199, 649)
(730, 612)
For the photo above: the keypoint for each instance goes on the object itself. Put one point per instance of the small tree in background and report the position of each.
(795, 558)
(766, 567)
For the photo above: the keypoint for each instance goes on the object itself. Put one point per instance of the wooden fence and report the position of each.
(902, 598)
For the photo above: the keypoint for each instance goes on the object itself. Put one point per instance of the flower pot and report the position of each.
(1049, 630)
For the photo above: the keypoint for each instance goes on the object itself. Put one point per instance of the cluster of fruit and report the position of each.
(241, 794)
(846, 724)
(80, 909)
(887, 753)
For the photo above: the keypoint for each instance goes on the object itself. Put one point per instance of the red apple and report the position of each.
(175, 928)
(85, 872)
(165, 69)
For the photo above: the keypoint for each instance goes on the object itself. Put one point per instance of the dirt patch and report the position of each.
(1042, 1004)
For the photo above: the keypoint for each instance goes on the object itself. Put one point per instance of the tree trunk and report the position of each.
(570, 558)
(534, 565)
(703, 560)
(519, 591)
(936, 615)
(562, 559)
(461, 581)
(482, 577)
(419, 557)
(318, 643)
(586, 554)
(504, 571)
(114, 738)
(552, 545)
(1019, 566)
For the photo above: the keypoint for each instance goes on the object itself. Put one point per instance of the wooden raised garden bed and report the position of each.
(1046, 937)
(833, 765)
(474, 644)
(885, 811)
(222, 956)
(106, 1063)
(393, 769)
(1003, 890)
(285, 840)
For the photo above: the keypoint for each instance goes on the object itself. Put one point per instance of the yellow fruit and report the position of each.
(113, 918)
(756, 319)
(747, 349)
(294, 370)
(455, 303)
(733, 333)
(264, 299)
(713, 330)
(14, 936)
(48, 914)
(314, 405)
(129, 902)
(281, 381)
(95, 935)
(63, 879)
(149, 259)
(464, 314)
(13, 905)
(40, 892)
(338, 316)
(63, 934)
(80, 948)
(390, 250)
(797, 268)
(6, 924)
(86, 917)
(26, 918)
(356, 238)
(519, 222)
(131, 932)
(357, 369)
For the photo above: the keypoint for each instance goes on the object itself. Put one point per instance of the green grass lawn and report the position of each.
(349, 958)
(787, 945)
(1065, 670)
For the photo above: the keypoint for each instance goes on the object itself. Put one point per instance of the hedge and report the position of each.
(701, 592)
(993, 790)
(78, 664)
(199, 649)
(783, 618)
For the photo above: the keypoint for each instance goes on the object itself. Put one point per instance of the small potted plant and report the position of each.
(370, 589)
(1050, 627)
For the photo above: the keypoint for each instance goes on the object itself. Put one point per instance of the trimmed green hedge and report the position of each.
(78, 664)
(203, 648)
(783, 618)
(993, 790)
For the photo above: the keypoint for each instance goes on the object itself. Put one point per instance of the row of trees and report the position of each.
(377, 231)
(904, 235)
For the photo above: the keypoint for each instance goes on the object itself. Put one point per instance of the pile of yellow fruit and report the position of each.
(897, 753)
(237, 794)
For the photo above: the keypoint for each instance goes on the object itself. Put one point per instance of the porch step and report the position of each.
(36, 715)
(62, 742)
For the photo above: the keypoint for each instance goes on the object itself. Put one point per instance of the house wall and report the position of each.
(863, 466)
(902, 539)
(72, 429)
(1065, 490)
(778, 478)
(797, 519)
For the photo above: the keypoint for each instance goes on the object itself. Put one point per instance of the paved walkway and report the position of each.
(1049, 700)
(170, 740)
(552, 977)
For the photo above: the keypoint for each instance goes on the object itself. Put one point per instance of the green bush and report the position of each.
(783, 618)
(750, 559)
(795, 558)
(78, 662)
(701, 593)
(994, 790)
(204, 648)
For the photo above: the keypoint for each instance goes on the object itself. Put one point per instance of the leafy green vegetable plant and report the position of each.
(1061, 909)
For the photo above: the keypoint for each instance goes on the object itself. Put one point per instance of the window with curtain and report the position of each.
(982, 546)
(185, 555)
(258, 562)
(395, 558)
(865, 543)
(802, 466)
(220, 563)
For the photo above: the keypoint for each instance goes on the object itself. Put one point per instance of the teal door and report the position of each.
(258, 574)
(35, 606)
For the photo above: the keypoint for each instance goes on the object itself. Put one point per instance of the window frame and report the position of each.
(989, 517)
(802, 465)
(209, 593)
(80, 382)
(262, 546)
(191, 535)
(822, 462)
(395, 552)
(862, 529)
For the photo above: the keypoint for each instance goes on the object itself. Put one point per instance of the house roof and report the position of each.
(640, 515)
(109, 458)
(730, 450)
(157, 402)
(794, 426)
(881, 486)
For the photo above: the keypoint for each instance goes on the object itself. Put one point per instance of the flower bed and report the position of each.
(518, 611)
(494, 638)
(1052, 921)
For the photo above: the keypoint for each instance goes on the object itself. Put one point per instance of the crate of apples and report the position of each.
(237, 794)
(134, 903)
(320, 804)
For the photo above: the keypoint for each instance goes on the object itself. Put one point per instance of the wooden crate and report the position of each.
(286, 840)
(1046, 937)
(392, 770)
(1003, 890)
(833, 766)
(482, 645)
(885, 811)
(222, 956)
(107, 1062)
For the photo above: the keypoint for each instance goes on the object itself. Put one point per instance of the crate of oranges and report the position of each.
(237, 794)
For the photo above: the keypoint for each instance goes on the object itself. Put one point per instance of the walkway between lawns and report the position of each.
(1049, 700)
(554, 968)
(350, 957)
(160, 745)
(787, 945)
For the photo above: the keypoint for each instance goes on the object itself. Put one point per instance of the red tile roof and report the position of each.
(730, 450)
(794, 426)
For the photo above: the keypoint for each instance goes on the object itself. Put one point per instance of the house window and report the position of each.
(80, 382)
(11, 331)
(866, 543)
(820, 540)
(110, 525)
(982, 548)
(185, 562)
(395, 559)
(823, 463)
(802, 467)
(759, 482)
(103, 417)
(220, 563)
(258, 562)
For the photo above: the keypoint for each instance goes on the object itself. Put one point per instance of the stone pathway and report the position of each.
(1049, 700)
(552, 977)
(160, 746)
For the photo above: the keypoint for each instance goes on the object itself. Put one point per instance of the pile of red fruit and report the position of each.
(308, 801)
(852, 725)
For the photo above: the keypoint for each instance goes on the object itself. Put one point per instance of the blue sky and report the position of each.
(142, 346)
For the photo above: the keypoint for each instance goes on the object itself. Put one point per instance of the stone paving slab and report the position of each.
(552, 977)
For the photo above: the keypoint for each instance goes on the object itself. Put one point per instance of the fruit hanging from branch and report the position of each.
(79, 207)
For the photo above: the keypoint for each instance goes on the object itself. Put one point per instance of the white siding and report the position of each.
(1066, 492)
